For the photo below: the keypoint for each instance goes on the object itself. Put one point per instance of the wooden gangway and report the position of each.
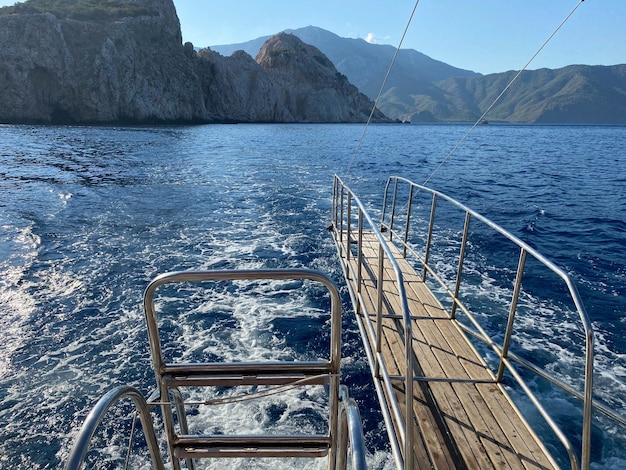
(444, 407)
(462, 418)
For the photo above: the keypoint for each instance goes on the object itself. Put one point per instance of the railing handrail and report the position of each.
(345, 426)
(406, 431)
(97, 414)
(587, 395)
(522, 244)
(350, 431)
(243, 274)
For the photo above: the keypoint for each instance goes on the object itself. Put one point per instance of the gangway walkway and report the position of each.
(443, 406)
(462, 418)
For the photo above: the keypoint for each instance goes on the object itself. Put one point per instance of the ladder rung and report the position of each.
(236, 380)
(245, 373)
(251, 446)
(215, 368)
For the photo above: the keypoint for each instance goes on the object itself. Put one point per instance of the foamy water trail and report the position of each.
(21, 245)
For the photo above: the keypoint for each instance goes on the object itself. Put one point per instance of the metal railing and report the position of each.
(248, 373)
(506, 358)
(345, 432)
(401, 436)
(349, 219)
(97, 414)
(350, 433)
(349, 436)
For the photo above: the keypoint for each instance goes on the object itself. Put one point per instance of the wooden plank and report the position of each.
(467, 441)
(430, 445)
(460, 424)
(397, 356)
(492, 419)
(499, 407)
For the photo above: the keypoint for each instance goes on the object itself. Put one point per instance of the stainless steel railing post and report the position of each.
(393, 209)
(349, 226)
(429, 238)
(509, 327)
(459, 271)
(379, 304)
(408, 221)
(359, 275)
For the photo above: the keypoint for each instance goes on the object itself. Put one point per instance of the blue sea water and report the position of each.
(90, 214)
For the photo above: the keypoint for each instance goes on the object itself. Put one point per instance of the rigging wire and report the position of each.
(506, 88)
(478, 121)
(382, 87)
(130, 439)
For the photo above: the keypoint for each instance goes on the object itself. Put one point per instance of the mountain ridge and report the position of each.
(422, 89)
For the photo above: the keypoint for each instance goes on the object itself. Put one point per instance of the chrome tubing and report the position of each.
(93, 420)
(244, 274)
(332, 365)
(350, 432)
(406, 429)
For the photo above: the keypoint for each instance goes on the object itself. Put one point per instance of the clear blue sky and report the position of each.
(482, 35)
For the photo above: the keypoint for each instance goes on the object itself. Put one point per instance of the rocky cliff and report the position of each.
(288, 82)
(124, 62)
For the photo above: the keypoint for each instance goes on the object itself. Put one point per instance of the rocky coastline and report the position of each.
(57, 69)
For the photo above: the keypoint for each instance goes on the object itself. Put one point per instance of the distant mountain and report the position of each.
(424, 89)
(366, 64)
(576, 94)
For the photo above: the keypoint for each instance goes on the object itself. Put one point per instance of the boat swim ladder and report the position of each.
(344, 428)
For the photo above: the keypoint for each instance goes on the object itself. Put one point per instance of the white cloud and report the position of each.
(371, 38)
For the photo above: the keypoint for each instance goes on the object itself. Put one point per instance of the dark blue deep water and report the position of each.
(89, 215)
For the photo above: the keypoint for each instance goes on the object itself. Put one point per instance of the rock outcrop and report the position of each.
(288, 82)
(130, 66)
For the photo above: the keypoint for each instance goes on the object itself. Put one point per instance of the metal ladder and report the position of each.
(172, 378)
(344, 422)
